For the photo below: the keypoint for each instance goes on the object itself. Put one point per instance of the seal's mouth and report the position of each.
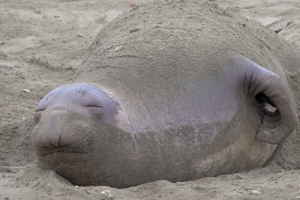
(43, 151)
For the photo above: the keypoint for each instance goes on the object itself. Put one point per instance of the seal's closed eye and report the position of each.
(93, 105)
(40, 109)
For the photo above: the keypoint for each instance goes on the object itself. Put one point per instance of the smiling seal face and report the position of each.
(61, 146)
(179, 102)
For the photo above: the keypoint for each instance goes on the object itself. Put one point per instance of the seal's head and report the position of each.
(84, 99)
(65, 132)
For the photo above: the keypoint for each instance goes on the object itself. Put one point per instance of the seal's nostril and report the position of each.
(52, 133)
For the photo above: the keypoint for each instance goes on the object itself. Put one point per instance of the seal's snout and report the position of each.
(59, 130)
(53, 135)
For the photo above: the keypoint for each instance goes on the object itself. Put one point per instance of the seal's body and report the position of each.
(173, 91)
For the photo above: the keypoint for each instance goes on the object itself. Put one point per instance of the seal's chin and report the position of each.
(59, 159)
(75, 167)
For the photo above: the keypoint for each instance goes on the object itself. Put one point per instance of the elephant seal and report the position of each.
(172, 90)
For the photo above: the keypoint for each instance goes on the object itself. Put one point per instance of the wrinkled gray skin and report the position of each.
(174, 91)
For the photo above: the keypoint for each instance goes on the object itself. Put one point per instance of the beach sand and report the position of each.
(41, 45)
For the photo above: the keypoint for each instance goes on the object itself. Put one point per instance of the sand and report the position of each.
(41, 45)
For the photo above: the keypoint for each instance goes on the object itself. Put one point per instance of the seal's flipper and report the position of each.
(267, 87)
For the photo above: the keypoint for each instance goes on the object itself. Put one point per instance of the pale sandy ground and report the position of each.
(41, 44)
